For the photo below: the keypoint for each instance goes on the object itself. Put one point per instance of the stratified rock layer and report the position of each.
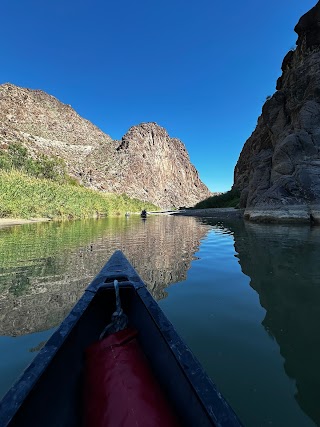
(146, 164)
(278, 172)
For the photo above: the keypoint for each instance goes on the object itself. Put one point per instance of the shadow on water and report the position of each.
(283, 264)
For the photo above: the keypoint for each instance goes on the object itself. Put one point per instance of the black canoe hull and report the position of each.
(49, 392)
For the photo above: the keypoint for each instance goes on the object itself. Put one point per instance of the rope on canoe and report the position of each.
(119, 320)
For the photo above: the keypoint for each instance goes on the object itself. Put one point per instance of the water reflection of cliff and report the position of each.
(44, 268)
(283, 264)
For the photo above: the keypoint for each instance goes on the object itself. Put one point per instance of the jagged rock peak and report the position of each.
(162, 167)
(278, 171)
(146, 163)
(144, 133)
(308, 28)
(148, 134)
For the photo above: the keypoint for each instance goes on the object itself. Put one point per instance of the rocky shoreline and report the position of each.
(298, 214)
(218, 213)
(284, 215)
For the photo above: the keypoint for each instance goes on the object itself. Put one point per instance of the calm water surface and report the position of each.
(245, 297)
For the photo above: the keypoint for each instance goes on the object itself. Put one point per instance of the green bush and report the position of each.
(230, 199)
(22, 196)
(16, 157)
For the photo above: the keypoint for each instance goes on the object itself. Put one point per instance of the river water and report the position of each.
(245, 297)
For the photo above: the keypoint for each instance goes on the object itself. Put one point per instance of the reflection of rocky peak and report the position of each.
(278, 171)
(147, 164)
(37, 295)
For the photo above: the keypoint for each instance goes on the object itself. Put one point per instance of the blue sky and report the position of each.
(201, 69)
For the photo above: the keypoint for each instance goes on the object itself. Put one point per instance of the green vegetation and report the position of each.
(41, 187)
(230, 199)
(16, 157)
(23, 196)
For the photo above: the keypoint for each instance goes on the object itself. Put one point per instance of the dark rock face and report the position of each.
(146, 164)
(278, 171)
(308, 28)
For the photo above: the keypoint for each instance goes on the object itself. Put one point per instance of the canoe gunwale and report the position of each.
(15, 397)
(217, 410)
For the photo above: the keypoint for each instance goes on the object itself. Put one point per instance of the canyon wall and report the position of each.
(278, 171)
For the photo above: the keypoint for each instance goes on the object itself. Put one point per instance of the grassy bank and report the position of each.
(17, 157)
(230, 199)
(23, 196)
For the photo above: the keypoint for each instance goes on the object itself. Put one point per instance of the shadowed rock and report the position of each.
(278, 171)
(308, 28)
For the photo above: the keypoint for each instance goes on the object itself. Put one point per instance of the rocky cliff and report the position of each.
(278, 171)
(155, 167)
(146, 164)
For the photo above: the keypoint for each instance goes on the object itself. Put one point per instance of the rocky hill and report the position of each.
(146, 163)
(278, 172)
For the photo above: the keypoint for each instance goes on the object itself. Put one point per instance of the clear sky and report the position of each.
(202, 69)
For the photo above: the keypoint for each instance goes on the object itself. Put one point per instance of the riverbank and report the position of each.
(23, 196)
(6, 222)
(217, 213)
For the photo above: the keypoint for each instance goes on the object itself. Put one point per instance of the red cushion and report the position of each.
(119, 386)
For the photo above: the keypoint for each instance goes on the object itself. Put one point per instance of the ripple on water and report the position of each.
(246, 298)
